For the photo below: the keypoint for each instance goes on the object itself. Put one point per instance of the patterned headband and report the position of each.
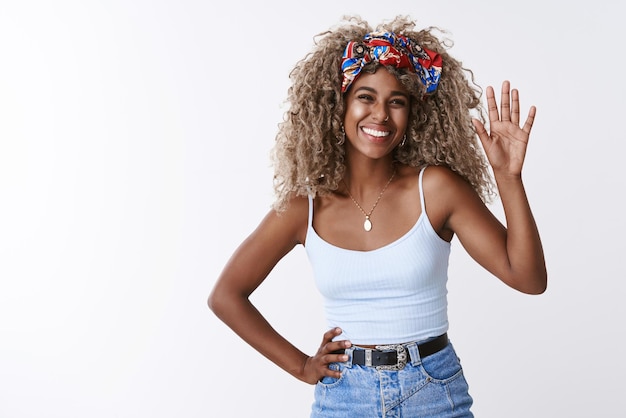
(393, 50)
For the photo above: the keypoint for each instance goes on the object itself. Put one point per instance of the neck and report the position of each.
(362, 180)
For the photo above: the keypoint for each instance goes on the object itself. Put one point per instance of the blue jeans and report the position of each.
(432, 387)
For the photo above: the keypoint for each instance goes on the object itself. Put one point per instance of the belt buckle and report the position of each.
(401, 356)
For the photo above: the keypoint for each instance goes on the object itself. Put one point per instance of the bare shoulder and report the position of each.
(441, 176)
(292, 221)
(441, 183)
(444, 192)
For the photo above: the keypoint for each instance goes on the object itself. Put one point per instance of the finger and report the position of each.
(331, 373)
(329, 359)
(505, 101)
(334, 358)
(330, 346)
(336, 346)
(330, 334)
(492, 107)
(482, 133)
(515, 106)
(530, 119)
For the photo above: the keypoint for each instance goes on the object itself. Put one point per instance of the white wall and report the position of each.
(134, 141)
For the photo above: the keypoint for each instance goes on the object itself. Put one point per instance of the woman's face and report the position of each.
(377, 113)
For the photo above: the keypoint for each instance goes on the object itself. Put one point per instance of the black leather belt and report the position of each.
(396, 356)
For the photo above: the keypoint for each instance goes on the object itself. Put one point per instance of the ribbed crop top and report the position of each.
(393, 294)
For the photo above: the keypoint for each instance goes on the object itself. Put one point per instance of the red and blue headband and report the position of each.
(393, 50)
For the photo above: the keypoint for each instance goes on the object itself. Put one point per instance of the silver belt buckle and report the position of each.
(401, 356)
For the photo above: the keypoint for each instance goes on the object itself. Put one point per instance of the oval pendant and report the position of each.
(367, 225)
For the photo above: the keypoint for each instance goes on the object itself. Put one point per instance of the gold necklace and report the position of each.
(367, 224)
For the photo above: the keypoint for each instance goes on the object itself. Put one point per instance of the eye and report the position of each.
(398, 102)
(365, 97)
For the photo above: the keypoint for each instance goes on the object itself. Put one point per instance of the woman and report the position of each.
(377, 168)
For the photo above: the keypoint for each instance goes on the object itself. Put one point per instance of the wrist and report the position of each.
(301, 373)
(505, 176)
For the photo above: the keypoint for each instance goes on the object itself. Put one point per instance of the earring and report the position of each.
(341, 138)
(403, 140)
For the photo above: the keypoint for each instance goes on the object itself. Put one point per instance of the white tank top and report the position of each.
(393, 294)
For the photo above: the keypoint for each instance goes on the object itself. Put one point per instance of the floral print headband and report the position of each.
(393, 50)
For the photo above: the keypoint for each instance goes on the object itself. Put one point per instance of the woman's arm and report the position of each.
(513, 253)
(276, 235)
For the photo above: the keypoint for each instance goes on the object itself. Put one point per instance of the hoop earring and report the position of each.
(403, 141)
(341, 138)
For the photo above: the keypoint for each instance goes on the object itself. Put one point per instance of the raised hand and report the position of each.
(505, 144)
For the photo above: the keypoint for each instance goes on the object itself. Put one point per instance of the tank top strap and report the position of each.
(421, 176)
(310, 221)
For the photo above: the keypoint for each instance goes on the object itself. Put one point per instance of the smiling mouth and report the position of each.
(374, 132)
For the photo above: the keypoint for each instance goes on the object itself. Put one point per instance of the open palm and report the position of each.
(505, 144)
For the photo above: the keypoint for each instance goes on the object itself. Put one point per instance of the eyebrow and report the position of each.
(393, 93)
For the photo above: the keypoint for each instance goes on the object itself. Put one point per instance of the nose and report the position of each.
(381, 113)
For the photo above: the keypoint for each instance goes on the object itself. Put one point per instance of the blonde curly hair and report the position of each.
(308, 154)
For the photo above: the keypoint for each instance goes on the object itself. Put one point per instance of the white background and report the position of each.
(134, 142)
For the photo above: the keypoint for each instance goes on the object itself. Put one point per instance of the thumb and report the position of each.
(482, 133)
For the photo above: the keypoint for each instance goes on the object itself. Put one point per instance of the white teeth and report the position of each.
(373, 132)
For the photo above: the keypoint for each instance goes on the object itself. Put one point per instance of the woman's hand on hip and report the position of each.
(316, 367)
